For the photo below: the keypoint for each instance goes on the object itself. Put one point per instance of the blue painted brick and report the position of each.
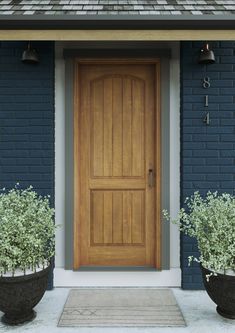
(228, 137)
(194, 176)
(228, 185)
(192, 286)
(227, 107)
(198, 98)
(227, 122)
(227, 91)
(227, 60)
(219, 161)
(187, 240)
(220, 129)
(188, 248)
(195, 129)
(187, 169)
(220, 68)
(227, 169)
(205, 153)
(205, 169)
(227, 44)
(188, 279)
(38, 169)
(205, 138)
(16, 169)
(194, 161)
(197, 278)
(199, 107)
(187, 137)
(206, 185)
(190, 83)
(227, 75)
(227, 153)
(201, 91)
(188, 122)
(192, 114)
(195, 145)
(187, 106)
(188, 153)
(220, 51)
(219, 146)
(221, 82)
(223, 99)
(212, 165)
(27, 119)
(198, 75)
(219, 177)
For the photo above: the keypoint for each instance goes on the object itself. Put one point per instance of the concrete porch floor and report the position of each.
(198, 310)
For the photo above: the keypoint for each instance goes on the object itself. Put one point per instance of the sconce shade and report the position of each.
(206, 55)
(30, 56)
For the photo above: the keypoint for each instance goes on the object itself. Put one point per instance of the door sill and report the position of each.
(153, 278)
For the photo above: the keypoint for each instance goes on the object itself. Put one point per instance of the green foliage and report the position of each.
(27, 230)
(212, 222)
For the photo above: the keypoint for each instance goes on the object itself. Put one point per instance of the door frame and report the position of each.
(76, 144)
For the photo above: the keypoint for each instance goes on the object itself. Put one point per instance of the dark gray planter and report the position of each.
(20, 294)
(221, 289)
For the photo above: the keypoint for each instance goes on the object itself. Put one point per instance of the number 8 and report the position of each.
(206, 82)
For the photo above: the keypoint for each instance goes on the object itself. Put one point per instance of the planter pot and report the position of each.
(221, 289)
(20, 294)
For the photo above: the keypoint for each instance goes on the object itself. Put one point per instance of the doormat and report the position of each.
(133, 307)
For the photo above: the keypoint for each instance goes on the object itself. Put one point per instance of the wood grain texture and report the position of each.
(117, 35)
(117, 217)
(108, 127)
(117, 135)
(117, 126)
(108, 217)
(117, 214)
(138, 109)
(127, 127)
(97, 217)
(97, 130)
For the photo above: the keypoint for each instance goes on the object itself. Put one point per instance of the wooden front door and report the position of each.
(116, 152)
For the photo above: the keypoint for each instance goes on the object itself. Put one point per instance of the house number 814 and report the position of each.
(206, 82)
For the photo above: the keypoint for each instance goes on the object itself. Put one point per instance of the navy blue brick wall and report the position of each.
(207, 152)
(27, 118)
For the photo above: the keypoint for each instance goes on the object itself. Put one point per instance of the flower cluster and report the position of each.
(27, 230)
(211, 220)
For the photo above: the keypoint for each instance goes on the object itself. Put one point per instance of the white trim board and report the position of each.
(164, 278)
(167, 278)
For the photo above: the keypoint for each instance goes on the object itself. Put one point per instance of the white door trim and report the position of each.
(164, 278)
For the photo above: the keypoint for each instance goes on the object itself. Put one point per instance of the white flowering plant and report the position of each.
(27, 230)
(211, 220)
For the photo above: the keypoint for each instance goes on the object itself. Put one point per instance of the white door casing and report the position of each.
(64, 277)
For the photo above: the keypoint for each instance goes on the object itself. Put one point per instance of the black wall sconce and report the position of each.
(206, 55)
(30, 56)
